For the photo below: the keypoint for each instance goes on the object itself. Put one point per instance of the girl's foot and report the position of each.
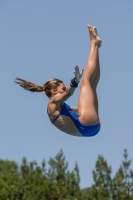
(94, 36)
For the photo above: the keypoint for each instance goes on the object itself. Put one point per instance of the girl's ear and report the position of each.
(54, 91)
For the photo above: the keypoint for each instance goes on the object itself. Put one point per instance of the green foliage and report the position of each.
(66, 183)
(106, 188)
(102, 179)
(122, 184)
(32, 182)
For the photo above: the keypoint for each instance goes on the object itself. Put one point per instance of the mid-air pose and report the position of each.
(82, 120)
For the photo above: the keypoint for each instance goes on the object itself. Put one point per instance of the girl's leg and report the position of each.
(96, 80)
(95, 83)
(88, 103)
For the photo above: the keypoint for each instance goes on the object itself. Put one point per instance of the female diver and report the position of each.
(84, 119)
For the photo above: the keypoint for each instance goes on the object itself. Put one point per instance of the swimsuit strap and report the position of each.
(65, 110)
(61, 113)
(56, 116)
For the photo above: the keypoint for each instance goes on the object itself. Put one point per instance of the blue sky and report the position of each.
(42, 39)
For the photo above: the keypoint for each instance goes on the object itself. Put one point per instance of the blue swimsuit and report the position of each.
(86, 131)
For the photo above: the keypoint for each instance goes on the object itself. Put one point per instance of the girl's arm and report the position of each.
(58, 98)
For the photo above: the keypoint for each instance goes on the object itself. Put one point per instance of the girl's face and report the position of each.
(60, 89)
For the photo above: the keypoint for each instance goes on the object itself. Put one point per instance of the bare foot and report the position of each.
(94, 36)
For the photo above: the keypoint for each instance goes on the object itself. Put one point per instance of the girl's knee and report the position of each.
(85, 82)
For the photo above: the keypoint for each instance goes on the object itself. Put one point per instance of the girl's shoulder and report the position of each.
(54, 106)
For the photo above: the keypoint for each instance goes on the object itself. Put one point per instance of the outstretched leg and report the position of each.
(94, 85)
(88, 103)
(96, 79)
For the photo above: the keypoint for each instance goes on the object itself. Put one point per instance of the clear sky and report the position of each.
(43, 39)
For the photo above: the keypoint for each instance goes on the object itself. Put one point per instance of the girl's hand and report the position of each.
(78, 74)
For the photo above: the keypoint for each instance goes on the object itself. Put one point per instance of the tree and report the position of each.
(106, 188)
(100, 190)
(122, 185)
(66, 182)
(33, 182)
(29, 181)
(8, 180)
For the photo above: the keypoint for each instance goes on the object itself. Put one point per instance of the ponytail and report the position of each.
(29, 86)
(47, 87)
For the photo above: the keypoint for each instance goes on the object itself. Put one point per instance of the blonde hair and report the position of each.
(47, 87)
